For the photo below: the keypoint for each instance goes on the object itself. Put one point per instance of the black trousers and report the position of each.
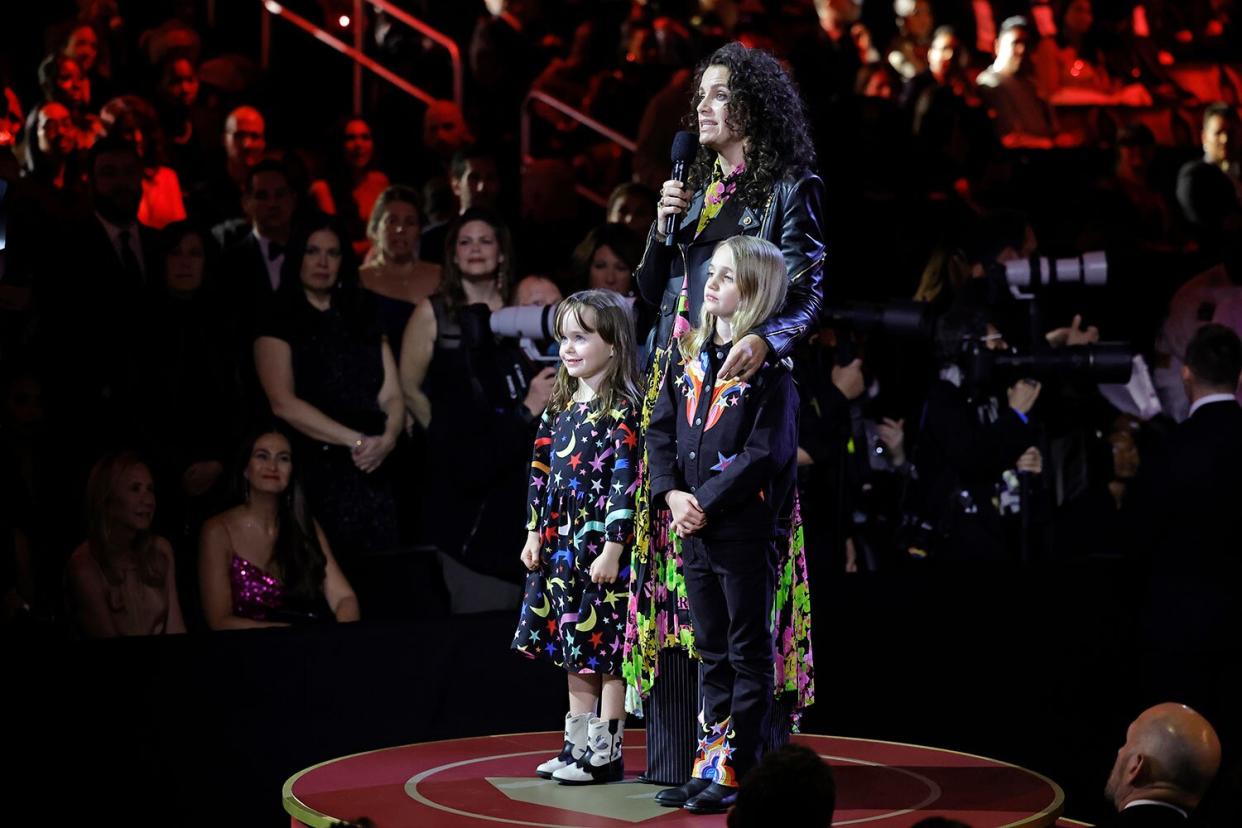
(731, 585)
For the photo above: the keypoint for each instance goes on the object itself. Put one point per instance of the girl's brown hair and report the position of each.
(606, 313)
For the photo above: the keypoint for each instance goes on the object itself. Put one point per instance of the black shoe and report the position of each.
(679, 796)
(715, 799)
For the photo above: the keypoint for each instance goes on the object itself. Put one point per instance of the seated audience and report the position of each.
(266, 562)
(60, 77)
(131, 119)
(122, 579)
(536, 290)
(190, 130)
(1021, 116)
(790, 786)
(907, 53)
(1169, 758)
(352, 183)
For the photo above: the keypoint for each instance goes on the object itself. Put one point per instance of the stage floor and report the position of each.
(490, 780)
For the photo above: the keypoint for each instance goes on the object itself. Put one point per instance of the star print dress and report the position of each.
(582, 484)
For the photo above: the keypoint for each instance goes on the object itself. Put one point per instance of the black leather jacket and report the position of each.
(791, 219)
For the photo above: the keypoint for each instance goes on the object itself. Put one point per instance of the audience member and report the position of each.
(1022, 117)
(536, 290)
(122, 579)
(133, 120)
(88, 293)
(266, 562)
(83, 45)
(1208, 188)
(218, 199)
(191, 399)
(54, 184)
(191, 131)
(394, 272)
(606, 258)
(328, 372)
(633, 205)
(790, 786)
(60, 77)
(907, 53)
(475, 397)
(475, 180)
(254, 263)
(1170, 756)
(444, 133)
(352, 183)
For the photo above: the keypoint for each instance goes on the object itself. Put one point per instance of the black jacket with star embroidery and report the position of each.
(733, 445)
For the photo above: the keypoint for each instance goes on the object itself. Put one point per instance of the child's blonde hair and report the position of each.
(761, 279)
(606, 313)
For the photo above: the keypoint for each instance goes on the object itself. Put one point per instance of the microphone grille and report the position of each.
(685, 146)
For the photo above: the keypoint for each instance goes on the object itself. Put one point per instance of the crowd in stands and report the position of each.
(246, 370)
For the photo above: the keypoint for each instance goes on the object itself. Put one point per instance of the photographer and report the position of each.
(969, 444)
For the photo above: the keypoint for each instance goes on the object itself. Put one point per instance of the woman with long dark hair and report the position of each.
(352, 182)
(752, 176)
(328, 372)
(122, 580)
(266, 562)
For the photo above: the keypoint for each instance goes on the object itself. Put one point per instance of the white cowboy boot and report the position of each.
(575, 745)
(602, 762)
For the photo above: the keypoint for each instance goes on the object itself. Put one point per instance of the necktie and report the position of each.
(129, 260)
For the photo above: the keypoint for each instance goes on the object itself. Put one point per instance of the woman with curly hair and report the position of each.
(752, 176)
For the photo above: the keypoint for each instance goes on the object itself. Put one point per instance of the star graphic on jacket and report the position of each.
(724, 462)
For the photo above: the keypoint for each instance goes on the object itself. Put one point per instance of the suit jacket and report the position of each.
(93, 311)
(245, 274)
(1146, 816)
(792, 219)
(732, 444)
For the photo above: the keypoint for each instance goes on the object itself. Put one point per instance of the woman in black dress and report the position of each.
(328, 371)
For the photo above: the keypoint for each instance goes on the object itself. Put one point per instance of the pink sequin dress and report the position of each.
(257, 595)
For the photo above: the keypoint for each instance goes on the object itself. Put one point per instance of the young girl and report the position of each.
(581, 502)
(722, 455)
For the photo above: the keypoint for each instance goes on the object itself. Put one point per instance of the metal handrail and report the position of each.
(434, 35)
(361, 59)
(581, 117)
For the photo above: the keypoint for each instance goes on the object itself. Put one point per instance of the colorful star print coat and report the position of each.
(583, 477)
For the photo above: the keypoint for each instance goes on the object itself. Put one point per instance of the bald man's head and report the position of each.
(245, 136)
(1171, 754)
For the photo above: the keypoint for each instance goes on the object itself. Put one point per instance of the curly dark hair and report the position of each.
(764, 105)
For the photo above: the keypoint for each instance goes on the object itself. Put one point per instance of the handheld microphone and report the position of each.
(685, 147)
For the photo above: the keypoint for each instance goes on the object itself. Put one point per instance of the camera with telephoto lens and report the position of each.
(1100, 362)
(1028, 277)
(532, 324)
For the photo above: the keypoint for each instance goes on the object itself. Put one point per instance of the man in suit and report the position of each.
(89, 296)
(252, 264)
(1170, 757)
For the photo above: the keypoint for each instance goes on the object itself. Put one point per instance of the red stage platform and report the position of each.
(490, 780)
